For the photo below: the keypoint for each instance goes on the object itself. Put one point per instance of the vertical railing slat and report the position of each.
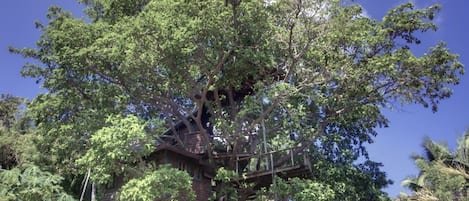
(237, 160)
(291, 157)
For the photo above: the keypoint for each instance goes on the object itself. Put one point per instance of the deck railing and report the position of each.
(265, 161)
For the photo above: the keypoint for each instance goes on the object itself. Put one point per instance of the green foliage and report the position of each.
(444, 174)
(16, 149)
(9, 108)
(20, 178)
(363, 181)
(116, 148)
(302, 190)
(16, 133)
(31, 184)
(227, 189)
(165, 184)
(225, 175)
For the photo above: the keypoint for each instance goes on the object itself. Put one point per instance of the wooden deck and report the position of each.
(264, 178)
(259, 168)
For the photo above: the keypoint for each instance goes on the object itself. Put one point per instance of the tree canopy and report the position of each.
(20, 177)
(308, 74)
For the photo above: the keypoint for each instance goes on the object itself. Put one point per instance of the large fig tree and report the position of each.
(311, 74)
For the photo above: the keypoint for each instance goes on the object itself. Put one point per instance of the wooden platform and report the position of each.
(256, 169)
(264, 178)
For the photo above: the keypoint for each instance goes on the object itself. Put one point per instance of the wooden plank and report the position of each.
(276, 170)
(264, 178)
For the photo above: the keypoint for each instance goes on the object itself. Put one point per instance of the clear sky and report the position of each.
(393, 146)
(409, 124)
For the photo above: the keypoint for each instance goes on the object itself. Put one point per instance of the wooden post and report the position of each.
(273, 174)
(237, 160)
(291, 157)
(93, 192)
(85, 185)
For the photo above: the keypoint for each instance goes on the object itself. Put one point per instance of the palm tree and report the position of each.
(444, 174)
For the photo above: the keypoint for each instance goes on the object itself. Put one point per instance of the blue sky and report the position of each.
(409, 124)
(393, 146)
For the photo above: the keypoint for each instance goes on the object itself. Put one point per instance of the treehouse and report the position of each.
(185, 149)
(194, 164)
